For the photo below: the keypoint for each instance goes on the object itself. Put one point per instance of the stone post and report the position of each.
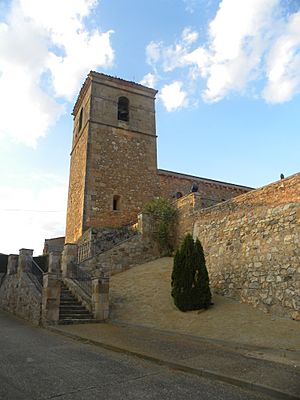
(69, 258)
(12, 264)
(54, 262)
(146, 225)
(51, 298)
(100, 295)
(25, 260)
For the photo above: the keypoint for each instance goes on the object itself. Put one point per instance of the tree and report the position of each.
(190, 281)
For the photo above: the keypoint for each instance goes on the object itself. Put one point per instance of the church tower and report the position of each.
(113, 170)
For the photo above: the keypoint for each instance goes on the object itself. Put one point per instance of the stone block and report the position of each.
(12, 264)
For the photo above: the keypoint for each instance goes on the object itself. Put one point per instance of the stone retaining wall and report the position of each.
(19, 295)
(95, 241)
(134, 251)
(252, 246)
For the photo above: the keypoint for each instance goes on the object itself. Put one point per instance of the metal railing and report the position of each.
(90, 249)
(84, 251)
(38, 273)
(83, 280)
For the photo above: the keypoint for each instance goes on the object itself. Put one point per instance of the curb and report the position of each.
(244, 384)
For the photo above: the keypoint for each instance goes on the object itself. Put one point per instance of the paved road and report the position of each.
(36, 364)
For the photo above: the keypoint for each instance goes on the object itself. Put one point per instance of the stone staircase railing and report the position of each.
(35, 295)
(97, 241)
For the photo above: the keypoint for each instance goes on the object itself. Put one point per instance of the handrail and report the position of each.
(83, 279)
(105, 251)
(37, 272)
(38, 267)
(87, 250)
(35, 280)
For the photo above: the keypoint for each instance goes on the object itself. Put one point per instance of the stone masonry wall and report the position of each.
(252, 246)
(74, 225)
(212, 192)
(134, 251)
(19, 295)
(123, 164)
(99, 240)
(187, 207)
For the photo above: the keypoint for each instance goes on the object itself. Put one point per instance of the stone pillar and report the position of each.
(51, 298)
(100, 295)
(25, 260)
(69, 258)
(146, 225)
(12, 264)
(54, 262)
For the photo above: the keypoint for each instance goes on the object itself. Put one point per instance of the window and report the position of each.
(80, 120)
(116, 202)
(123, 109)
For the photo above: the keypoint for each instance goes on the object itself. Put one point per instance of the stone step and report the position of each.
(74, 311)
(71, 307)
(69, 302)
(68, 321)
(71, 310)
(76, 316)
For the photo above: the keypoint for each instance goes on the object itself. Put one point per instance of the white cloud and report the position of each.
(153, 53)
(190, 5)
(283, 64)
(237, 40)
(31, 213)
(189, 36)
(248, 41)
(45, 52)
(172, 96)
(149, 80)
(174, 56)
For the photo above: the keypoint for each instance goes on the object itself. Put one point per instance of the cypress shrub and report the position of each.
(190, 281)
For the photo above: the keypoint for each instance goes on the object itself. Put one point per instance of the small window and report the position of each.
(80, 120)
(116, 202)
(123, 109)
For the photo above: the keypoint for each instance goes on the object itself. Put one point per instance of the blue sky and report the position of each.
(228, 75)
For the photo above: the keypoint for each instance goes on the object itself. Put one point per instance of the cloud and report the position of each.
(44, 55)
(172, 96)
(248, 42)
(237, 40)
(32, 212)
(149, 80)
(153, 53)
(283, 64)
(174, 56)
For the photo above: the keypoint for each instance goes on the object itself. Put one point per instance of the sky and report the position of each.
(227, 72)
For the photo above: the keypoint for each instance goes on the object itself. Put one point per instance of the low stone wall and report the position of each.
(252, 246)
(19, 295)
(95, 241)
(134, 251)
(187, 207)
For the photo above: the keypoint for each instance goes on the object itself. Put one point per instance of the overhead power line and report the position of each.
(37, 211)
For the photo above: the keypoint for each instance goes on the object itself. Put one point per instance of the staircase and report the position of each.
(71, 311)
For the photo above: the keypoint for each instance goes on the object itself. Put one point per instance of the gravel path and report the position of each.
(141, 296)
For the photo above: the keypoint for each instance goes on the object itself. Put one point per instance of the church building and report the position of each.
(113, 170)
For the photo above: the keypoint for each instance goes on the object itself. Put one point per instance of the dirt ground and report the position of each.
(141, 296)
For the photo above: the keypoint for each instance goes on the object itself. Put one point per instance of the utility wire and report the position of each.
(37, 211)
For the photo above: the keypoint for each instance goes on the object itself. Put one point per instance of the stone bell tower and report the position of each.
(113, 170)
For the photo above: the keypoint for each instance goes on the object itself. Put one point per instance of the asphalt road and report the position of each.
(36, 364)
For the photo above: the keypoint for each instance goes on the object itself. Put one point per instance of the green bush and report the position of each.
(190, 281)
(164, 214)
